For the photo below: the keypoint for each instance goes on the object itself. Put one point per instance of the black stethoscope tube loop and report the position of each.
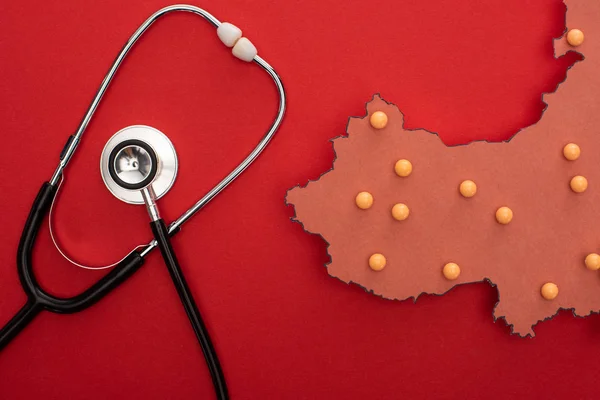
(161, 235)
(37, 298)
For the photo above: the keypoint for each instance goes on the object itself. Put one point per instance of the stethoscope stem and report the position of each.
(161, 235)
(150, 200)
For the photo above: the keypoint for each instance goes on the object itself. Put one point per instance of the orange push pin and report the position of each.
(575, 37)
(592, 262)
(571, 152)
(579, 184)
(468, 188)
(377, 262)
(504, 215)
(451, 271)
(364, 200)
(549, 291)
(400, 212)
(378, 120)
(403, 168)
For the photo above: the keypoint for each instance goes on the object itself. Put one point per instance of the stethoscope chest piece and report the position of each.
(136, 157)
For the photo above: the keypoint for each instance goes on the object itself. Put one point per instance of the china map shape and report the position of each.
(547, 177)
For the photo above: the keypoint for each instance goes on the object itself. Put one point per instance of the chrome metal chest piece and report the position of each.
(136, 157)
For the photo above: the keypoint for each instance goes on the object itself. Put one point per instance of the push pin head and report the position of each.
(378, 120)
(571, 152)
(468, 188)
(504, 215)
(400, 212)
(592, 262)
(575, 37)
(549, 291)
(451, 271)
(403, 168)
(364, 200)
(377, 262)
(579, 184)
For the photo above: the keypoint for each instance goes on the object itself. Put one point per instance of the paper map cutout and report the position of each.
(553, 228)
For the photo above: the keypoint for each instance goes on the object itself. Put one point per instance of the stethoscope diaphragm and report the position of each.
(136, 157)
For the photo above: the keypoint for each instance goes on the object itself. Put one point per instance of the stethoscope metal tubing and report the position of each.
(75, 139)
(176, 225)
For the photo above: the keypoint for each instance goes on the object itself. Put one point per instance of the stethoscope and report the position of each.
(138, 165)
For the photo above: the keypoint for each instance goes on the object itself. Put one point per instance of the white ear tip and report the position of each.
(229, 34)
(244, 50)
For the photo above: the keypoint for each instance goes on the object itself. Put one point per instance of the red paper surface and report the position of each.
(283, 328)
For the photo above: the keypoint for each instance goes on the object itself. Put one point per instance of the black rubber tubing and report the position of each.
(37, 298)
(161, 235)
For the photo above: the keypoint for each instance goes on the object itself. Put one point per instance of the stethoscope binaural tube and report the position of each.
(37, 298)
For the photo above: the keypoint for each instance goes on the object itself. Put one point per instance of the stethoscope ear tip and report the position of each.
(135, 158)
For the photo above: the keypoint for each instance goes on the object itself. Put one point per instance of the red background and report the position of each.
(282, 327)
